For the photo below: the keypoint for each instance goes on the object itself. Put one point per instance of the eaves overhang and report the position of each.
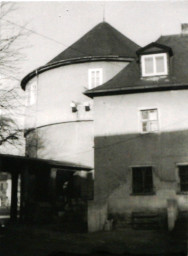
(135, 89)
(148, 49)
(72, 61)
(23, 160)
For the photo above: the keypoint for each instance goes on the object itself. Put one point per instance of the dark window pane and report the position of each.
(184, 187)
(137, 180)
(145, 127)
(142, 179)
(183, 174)
(148, 179)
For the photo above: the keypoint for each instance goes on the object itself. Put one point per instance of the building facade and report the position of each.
(141, 135)
(59, 117)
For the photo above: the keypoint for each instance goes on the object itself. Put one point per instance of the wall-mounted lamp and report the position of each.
(73, 107)
(87, 106)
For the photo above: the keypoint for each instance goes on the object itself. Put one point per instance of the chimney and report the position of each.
(184, 28)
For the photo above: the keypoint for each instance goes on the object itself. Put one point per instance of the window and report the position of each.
(183, 177)
(94, 77)
(142, 180)
(149, 120)
(155, 64)
(32, 93)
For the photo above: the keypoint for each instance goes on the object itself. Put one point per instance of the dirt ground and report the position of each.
(20, 240)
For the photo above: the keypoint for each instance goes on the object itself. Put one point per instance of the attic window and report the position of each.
(154, 64)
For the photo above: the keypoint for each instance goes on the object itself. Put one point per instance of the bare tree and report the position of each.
(11, 98)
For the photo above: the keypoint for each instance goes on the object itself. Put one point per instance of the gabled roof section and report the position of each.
(154, 48)
(129, 80)
(102, 40)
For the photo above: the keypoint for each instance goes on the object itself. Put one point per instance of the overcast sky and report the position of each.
(66, 21)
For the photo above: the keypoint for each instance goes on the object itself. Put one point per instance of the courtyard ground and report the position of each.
(22, 240)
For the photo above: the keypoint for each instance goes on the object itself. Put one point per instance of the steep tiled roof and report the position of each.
(102, 40)
(129, 80)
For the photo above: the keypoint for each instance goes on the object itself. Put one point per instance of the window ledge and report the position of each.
(182, 193)
(155, 132)
(155, 76)
(143, 194)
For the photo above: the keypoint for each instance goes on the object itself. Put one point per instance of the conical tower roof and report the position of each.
(102, 40)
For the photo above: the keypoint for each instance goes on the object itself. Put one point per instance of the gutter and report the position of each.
(135, 89)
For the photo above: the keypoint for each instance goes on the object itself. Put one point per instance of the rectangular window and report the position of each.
(149, 120)
(32, 93)
(183, 176)
(94, 78)
(142, 180)
(154, 64)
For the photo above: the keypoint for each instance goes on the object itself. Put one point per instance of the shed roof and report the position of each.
(14, 160)
(129, 80)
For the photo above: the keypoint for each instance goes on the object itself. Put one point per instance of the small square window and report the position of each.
(142, 180)
(183, 177)
(154, 64)
(149, 120)
(94, 78)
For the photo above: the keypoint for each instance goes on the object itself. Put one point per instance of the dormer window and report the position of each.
(154, 64)
(94, 77)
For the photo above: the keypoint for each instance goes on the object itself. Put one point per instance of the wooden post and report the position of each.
(24, 192)
(14, 199)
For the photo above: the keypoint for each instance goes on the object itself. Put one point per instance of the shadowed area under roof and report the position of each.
(102, 40)
(12, 160)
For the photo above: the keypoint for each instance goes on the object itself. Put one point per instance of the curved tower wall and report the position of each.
(56, 132)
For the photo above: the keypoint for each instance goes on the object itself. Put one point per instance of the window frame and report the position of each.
(152, 192)
(178, 165)
(154, 73)
(141, 120)
(90, 86)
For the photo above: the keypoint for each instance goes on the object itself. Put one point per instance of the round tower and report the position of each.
(59, 117)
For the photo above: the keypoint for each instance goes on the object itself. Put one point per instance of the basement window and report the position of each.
(183, 178)
(149, 120)
(142, 180)
(154, 64)
(95, 77)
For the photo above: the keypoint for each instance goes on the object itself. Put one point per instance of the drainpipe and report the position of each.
(36, 114)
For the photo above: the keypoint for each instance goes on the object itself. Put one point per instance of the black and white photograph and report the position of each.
(94, 128)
